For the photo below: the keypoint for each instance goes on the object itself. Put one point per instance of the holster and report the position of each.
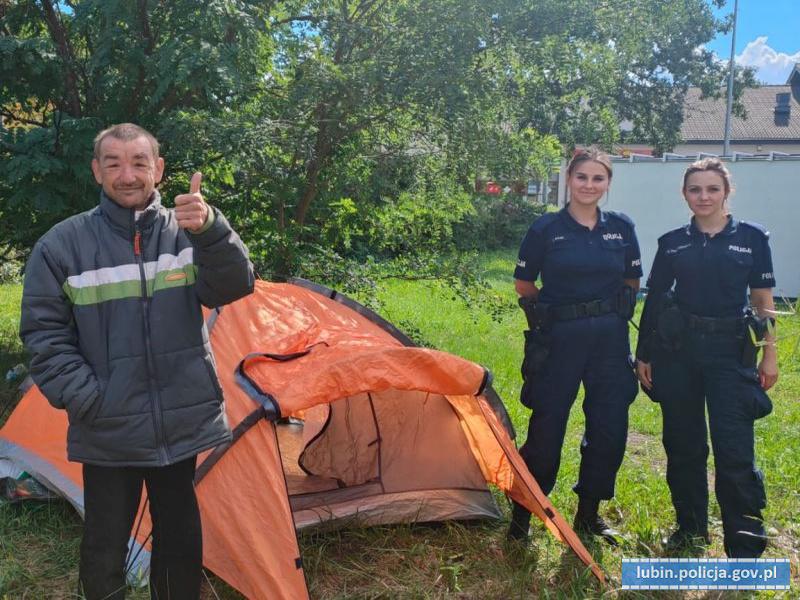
(626, 302)
(670, 325)
(537, 313)
(537, 337)
(537, 349)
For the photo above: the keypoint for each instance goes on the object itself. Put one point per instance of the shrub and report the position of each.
(10, 271)
(496, 222)
(418, 222)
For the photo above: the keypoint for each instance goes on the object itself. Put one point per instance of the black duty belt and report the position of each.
(595, 308)
(714, 324)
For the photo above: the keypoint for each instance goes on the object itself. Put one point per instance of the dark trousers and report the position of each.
(111, 500)
(707, 371)
(592, 350)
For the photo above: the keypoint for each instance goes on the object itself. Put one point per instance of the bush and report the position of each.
(11, 271)
(457, 273)
(427, 221)
(496, 222)
(418, 222)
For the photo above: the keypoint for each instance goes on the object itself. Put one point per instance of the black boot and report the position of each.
(587, 521)
(684, 540)
(520, 523)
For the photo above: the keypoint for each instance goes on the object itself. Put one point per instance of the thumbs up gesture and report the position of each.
(191, 211)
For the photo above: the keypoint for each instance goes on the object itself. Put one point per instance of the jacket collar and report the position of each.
(124, 218)
(730, 228)
(569, 221)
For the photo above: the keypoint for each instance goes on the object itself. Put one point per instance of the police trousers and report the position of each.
(593, 351)
(707, 372)
(111, 500)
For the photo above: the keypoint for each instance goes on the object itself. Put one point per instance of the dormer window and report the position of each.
(782, 104)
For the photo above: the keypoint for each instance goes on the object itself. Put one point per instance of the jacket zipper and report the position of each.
(155, 399)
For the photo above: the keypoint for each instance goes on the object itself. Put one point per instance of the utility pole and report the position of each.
(726, 146)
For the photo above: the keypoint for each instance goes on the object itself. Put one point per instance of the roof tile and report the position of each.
(704, 120)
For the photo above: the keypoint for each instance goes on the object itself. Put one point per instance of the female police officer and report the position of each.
(691, 348)
(588, 259)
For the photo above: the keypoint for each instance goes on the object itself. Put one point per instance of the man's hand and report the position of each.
(191, 210)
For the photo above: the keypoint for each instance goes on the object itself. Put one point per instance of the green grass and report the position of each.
(38, 542)
(11, 351)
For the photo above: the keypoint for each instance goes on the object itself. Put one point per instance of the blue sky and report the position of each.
(767, 37)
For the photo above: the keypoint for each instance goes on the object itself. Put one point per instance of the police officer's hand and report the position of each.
(768, 370)
(191, 211)
(644, 371)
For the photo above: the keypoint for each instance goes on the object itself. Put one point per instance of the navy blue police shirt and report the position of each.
(578, 264)
(712, 273)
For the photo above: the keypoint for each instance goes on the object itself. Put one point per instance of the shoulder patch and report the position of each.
(757, 226)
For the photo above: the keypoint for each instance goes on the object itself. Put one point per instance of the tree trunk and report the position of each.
(59, 36)
(322, 149)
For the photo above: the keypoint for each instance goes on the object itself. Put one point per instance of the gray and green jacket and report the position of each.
(111, 314)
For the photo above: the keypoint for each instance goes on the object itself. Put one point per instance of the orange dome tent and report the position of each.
(336, 414)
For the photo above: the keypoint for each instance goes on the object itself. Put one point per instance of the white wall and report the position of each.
(767, 192)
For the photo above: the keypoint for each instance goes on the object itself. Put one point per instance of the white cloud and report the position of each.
(771, 66)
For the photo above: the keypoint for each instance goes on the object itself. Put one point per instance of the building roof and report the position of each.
(704, 120)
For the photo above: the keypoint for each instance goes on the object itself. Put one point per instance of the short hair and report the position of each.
(126, 132)
(711, 163)
(586, 154)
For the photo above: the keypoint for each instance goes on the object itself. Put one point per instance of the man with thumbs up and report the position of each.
(112, 317)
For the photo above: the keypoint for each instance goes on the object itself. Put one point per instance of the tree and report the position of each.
(582, 67)
(310, 117)
(70, 68)
(461, 86)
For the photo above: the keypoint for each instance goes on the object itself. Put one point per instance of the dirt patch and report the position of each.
(646, 450)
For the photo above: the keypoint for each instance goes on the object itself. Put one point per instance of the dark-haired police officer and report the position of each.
(695, 349)
(590, 267)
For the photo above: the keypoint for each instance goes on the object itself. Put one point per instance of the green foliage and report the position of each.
(582, 68)
(455, 274)
(342, 225)
(67, 70)
(10, 271)
(417, 222)
(497, 222)
(324, 122)
(11, 350)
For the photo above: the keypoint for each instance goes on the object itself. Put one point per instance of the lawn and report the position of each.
(38, 542)
(11, 352)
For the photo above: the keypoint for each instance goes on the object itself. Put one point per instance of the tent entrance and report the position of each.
(382, 457)
(298, 482)
(332, 455)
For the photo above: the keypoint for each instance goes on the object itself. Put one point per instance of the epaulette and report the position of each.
(682, 230)
(620, 216)
(543, 221)
(757, 226)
